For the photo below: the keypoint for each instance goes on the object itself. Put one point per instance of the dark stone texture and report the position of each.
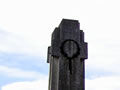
(66, 56)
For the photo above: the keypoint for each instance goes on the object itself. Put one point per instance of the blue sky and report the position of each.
(25, 33)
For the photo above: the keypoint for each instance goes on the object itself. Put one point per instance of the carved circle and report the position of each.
(75, 54)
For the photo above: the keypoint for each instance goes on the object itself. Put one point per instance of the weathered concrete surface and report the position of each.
(66, 56)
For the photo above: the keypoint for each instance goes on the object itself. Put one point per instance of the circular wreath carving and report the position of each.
(75, 54)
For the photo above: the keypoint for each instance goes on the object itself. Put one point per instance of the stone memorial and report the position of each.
(66, 56)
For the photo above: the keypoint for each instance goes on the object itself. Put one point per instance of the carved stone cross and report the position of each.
(66, 56)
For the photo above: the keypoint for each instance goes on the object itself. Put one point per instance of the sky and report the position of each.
(25, 33)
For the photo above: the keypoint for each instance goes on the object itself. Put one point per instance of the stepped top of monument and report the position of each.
(68, 23)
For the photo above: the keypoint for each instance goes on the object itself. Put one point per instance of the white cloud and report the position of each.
(13, 43)
(19, 73)
(41, 84)
(103, 83)
(104, 55)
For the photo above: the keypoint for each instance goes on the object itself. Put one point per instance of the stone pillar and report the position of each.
(66, 56)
